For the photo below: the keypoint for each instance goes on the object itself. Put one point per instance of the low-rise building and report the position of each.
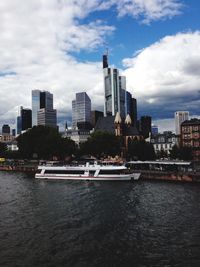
(190, 136)
(163, 142)
(77, 135)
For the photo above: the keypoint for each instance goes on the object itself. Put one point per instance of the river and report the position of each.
(79, 223)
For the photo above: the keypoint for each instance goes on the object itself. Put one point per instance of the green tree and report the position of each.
(101, 144)
(44, 143)
(184, 153)
(141, 150)
(175, 152)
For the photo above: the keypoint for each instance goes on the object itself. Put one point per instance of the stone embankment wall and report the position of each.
(170, 176)
(20, 168)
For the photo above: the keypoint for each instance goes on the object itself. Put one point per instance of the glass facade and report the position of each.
(81, 110)
(40, 100)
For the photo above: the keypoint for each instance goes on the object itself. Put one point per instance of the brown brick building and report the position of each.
(190, 136)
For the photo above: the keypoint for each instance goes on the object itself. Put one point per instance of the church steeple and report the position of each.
(118, 119)
(128, 120)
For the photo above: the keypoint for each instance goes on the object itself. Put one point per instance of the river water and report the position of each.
(79, 223)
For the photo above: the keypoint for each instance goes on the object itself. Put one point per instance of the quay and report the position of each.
(150, 170)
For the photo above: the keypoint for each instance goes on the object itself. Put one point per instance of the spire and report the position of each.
(128, 119)
(118, 119)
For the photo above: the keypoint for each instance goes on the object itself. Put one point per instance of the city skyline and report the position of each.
(58, 46)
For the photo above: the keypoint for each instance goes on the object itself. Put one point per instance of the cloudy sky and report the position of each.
(57, 45)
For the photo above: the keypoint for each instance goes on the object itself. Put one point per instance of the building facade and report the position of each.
(190, 136)
(5, 129)
(131, 107)
(145, 126)
(47, 117)
(40, 100)
(95, 115)
(81, 111)
(180, 116)
(164, 142)
(114, 90)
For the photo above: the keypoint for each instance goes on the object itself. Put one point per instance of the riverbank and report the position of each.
(170, 176)
(145, 174)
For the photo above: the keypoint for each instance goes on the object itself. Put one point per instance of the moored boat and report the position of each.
(88, 171)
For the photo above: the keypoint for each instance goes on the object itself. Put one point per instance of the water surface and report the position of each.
(80, 223)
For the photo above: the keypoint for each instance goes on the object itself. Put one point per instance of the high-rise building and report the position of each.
(26, 119)
(81, 111)
(5, 129)
(95, 115)
(114, 90)
(145, 126)
(47, 117)
(180, 116)
(131, 107)
(40, 100)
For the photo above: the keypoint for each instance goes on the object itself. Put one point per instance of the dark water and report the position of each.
(77, 223)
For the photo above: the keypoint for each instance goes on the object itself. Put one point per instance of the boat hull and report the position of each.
(129, 177)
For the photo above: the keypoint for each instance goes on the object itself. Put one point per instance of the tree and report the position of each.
(101, 144)
(141, 150)
(184, 153)
(44, 143)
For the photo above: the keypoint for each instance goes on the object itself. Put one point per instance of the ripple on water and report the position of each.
(77, 223)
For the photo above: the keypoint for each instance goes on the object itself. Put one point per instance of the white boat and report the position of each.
(87, 172)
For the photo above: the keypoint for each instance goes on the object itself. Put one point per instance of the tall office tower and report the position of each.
(26, 119)
(47, 117)
(114, 100)
(131, 107)
(122, 90)
(95, 115)
(40, 100)
(180, 116)
(19, 124)
(105, 61)
(5, 129)
(81, 111)
(145, 126)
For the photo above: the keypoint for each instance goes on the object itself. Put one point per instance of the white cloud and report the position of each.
(166, 75)
(35, 45)
(149, 10)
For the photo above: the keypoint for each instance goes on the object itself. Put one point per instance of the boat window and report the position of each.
(91, 173)
(64, 172)
(112, 171)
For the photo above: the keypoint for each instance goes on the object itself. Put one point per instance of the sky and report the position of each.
(57, 45)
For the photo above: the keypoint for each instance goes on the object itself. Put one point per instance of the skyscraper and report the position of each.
(180, 116)
(40, 100)
(114, 87)
(131, 107)
(26, 118)
(145, 126)
(47, 117)
(5, 129)
(81, 111)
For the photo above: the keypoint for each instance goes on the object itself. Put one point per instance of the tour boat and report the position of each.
(88, 171)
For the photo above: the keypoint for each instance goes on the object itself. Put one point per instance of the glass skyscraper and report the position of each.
(114, 90)
(81, 110)
(42, 106)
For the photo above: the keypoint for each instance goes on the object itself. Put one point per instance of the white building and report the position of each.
(180, 116)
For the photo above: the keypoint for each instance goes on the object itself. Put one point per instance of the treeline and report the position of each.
(46, 143)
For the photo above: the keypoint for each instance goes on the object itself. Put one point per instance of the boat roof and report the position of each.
(161, 162)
